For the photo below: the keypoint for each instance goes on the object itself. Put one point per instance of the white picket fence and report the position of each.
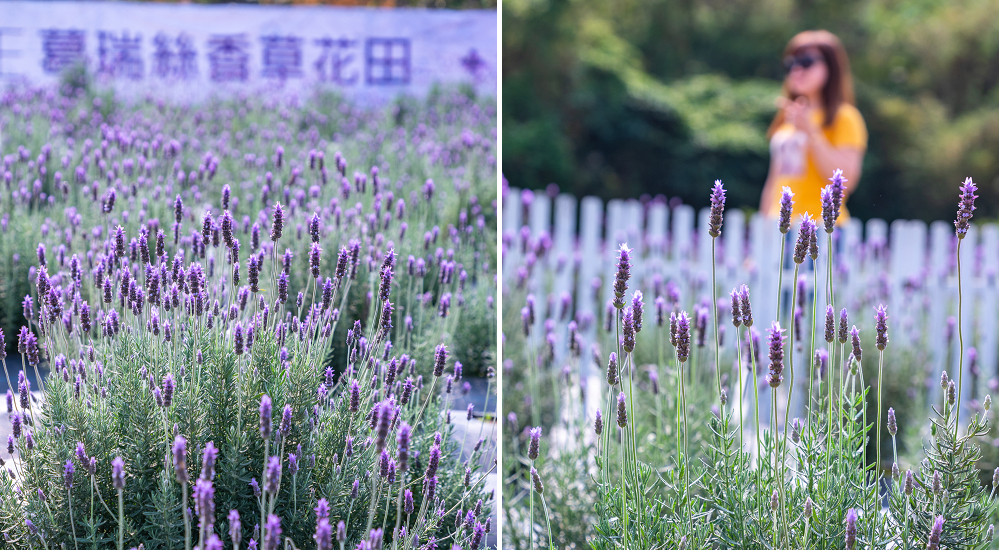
(909, 265)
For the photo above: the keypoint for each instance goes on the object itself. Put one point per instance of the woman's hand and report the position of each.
(798, 113)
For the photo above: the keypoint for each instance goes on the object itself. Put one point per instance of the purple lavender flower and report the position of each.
(806, 228)
(745, 306)
(382, 430)
(683, 336)
(612, 369)
(622, 414)
(637, 311)
(785, 210)
(536, 481)
(277, 222)
(735, 299)
(718, 200)
(535, 435)
(208, 458)
(440, 356)
(265, 417)
(842, 328)
(829, 215)
(881, 328)
(628, 332)
(324, 535)
(168, 389)
(598, 423)
(433, 458)
(660, 304)
(204, 501)
(776, 354)
(272, 533)
(285, 426)
(68, 472)
(934, 539)
(851, 530)
(118, 473)
(273, 475)
(180, 459)
(403, 446)
(622, 276)
(235, 529)
(966, 204)
(856, 343)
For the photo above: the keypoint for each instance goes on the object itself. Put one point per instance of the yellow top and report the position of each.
(794, 167)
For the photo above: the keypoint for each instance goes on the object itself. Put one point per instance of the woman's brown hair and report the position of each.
(839, 86)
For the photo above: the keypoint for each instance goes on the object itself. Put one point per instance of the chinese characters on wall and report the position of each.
(373, 61)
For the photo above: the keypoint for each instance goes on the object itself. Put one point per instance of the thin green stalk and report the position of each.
(531, 513)
(72, 524)
(263, 477)
(878, 431)
(121, 520)
(961, 343)
(625, 518)
(812, 354)
(187, 522)
(781, 272)
(739, 366)
(548, 526)
(687, 470)
(756, 404)
(715, 316)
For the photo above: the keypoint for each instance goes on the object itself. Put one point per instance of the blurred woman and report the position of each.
(817, 128)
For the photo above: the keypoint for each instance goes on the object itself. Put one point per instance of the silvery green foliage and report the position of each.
(157, 220)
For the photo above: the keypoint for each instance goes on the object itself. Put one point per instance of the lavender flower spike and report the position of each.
(881, 328)
(622, 276)
(745, 306)
(534, 435)
(829, 328)
(851, 529)
(683, 337)
(637, 311)
(829, 218)
(806, 229)
(277, 222)
(934, 539)
(718, 200)
(180, 459)
(785, 211)
(777, 355)
(265, 417)
(118, 473)
(622, 414)
(737, 316)
(613, 369)
(966, 204)
(856, 343)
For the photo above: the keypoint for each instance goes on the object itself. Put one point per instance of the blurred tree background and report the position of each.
(632, 97)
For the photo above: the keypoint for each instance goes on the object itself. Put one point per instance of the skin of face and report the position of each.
(809, 82)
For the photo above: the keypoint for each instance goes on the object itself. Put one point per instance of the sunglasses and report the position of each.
(805, 61)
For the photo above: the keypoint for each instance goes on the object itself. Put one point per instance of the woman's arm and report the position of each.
(828, 158)
(825, 156)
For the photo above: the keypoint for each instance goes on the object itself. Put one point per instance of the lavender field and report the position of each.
(248, 321)
(675, 379)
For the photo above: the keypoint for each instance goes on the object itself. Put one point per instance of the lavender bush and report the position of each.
(676, 456)
(256, 314)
